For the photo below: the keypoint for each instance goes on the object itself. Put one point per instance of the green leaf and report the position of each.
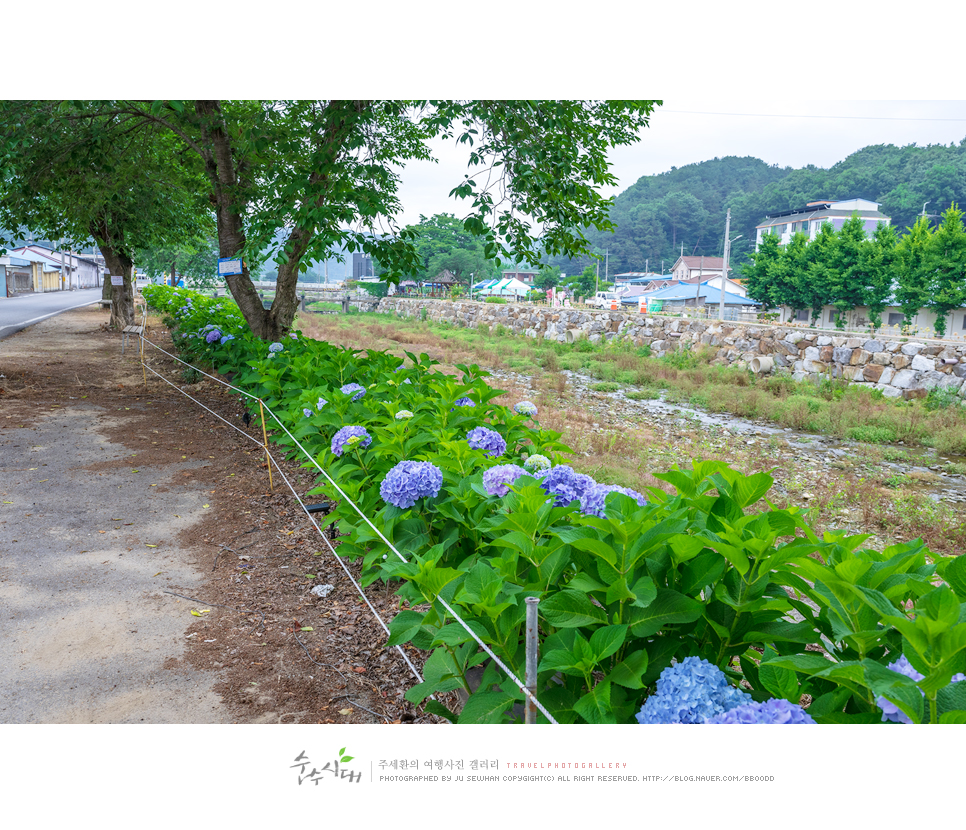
(403, 627)
(560, 660)
(952, 697)
(955, 574)
(486, 707)
(668, 607)
(807, 664)
(629, 671)
(605, 641)
(684, 548)
(779, 682)
(432, 582)
(434, 707)
(595, 707)
(570, 609)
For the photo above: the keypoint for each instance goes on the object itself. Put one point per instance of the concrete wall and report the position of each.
(896, 366)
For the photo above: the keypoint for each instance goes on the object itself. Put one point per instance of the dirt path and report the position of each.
(125, 507)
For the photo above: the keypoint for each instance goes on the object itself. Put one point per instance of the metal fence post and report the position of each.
(533, 657)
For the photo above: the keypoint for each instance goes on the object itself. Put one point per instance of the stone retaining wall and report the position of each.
(896, 366)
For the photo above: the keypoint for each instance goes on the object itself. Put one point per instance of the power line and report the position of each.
(837, 117)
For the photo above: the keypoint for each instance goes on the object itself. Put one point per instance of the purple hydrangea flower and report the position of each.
(212, 336)
(537, 463)
(276, 347)
(775, 710)
(403, 415)
(307, 413)
(321, 402)
(226, 338)
(293, 335)
(496, 480)
(565, 485)
(892, 713)
(409, 481)
(525, 408)
(482, 438)
(351, 388)
(341, 439)
(464, 402)
(691, 691)
(594, 499)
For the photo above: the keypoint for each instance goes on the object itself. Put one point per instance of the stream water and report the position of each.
(919, 468)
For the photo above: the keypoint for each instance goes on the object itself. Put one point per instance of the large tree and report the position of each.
(328, 172)
(73, 175)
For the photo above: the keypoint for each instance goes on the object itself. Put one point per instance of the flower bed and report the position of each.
(631, 586)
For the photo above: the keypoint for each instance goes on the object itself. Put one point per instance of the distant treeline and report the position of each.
(658, 216)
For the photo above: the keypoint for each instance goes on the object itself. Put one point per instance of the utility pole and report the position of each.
(724, 265)
(606, 272)
(597, 283)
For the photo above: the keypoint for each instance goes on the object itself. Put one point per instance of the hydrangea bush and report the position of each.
(630, 584)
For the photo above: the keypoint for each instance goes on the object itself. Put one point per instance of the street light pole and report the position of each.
(724, 266)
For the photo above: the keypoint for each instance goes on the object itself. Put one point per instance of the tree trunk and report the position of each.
(122, 296)
(230, 201)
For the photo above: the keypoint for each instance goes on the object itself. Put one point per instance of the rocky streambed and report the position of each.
(692, 429)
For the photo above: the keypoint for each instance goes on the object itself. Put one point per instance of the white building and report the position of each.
(809, 219)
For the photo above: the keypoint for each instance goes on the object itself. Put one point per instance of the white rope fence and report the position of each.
(521, 686)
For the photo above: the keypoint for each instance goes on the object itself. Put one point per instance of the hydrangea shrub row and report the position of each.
(483, 504)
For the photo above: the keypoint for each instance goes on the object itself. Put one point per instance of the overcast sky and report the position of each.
(689, 130)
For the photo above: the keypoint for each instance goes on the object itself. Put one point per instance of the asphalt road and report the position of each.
(18, 312)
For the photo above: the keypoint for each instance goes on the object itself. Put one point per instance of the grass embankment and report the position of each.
(856, 491)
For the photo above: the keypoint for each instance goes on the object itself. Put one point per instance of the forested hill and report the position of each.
(685, 206)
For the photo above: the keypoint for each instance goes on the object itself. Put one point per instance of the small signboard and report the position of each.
(229, 266)
(115, 280)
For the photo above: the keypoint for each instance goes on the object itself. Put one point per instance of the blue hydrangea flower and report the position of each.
(892, 713)
(691, 691)
(482, 438)
(536, 463)
(212, 336)
(525, 408)
(276, 347)
(307, 413)
(496, 480)
(342, 438)
(593, 501)
(226, 338)
(403, 414)
(271, 354)
(464, 402)
(293, 335)
(351, 388)
(409, 481)
(321, 402)
(565, 485)
(775, 710)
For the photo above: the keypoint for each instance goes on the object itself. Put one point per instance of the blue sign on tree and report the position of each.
(229, 266)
